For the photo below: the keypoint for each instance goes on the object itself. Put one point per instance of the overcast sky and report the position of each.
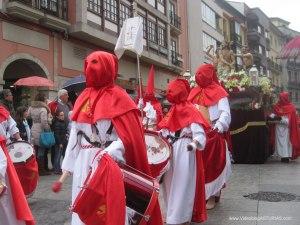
(288, 10)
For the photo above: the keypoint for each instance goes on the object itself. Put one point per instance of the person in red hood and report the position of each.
(211, 100)
(151, 106)
(14, 209)
(287, 134)
(106, 120)
(183, 184)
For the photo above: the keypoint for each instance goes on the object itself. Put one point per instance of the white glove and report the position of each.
(140, 103)
(218, 127)
(191, 146)
(272, 115)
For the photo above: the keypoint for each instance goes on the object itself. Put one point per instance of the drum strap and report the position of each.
(150, 208)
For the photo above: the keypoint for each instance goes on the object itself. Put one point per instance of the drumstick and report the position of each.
(57, 185)
(64, 176)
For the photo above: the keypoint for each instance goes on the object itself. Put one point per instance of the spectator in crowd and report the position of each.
(7, 101)
(41, 116)
(60, 129)
(22, 123)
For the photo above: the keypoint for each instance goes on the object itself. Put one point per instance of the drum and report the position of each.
(158, 152)
(22, 155)
(141, 193)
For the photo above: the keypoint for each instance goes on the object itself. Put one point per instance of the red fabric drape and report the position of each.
(28, 175)
(214, 156)
(4, 114)
(285, 108)
(22, 209)
(103, 201)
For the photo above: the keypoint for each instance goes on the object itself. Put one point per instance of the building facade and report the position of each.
(51, 38)
(203, 28)
(291, 67)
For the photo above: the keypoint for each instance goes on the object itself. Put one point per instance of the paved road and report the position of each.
(234, 208)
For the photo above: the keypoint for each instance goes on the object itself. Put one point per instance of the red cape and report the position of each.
(289, 110)
(182, 115)
(114, 103)
(4, 114)
(214, 156)
(208, 96)
(22, 209)
(209, 91)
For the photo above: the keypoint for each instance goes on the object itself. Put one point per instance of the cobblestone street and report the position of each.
(271, 207)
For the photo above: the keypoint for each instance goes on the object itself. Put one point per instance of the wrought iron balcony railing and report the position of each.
(175, 20)
(176, 58)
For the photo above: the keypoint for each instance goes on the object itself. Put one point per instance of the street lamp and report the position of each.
(253, 73)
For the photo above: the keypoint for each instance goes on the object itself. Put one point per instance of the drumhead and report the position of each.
(158, 149)
(20, 151)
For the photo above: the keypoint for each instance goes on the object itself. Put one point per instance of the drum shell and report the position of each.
(28, 174)
(158, 169)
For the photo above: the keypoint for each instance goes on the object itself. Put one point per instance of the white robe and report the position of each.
(8, 128)
(283, 146)
(180, 180)
(220, 113)
(78, 160)
(149, 120)
(7, 209)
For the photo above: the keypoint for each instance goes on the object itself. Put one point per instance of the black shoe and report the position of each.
(285, 160)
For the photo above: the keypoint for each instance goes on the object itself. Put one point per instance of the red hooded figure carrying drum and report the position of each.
(183, 184)
(14, 209)
(105, 125)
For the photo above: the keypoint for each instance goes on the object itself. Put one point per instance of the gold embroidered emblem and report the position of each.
(86, 108)
(101, 210)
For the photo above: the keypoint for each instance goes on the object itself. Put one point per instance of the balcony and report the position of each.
(49, 13)
(175, 22)
(176, 59)
(253, 35)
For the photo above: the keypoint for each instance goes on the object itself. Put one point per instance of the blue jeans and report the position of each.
(57, 158)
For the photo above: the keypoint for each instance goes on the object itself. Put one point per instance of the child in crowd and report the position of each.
(60, 129)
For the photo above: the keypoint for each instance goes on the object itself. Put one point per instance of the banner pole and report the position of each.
(140, 82)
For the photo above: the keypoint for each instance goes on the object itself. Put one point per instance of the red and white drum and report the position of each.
(141, 192)
(158, 152)
(22, 155)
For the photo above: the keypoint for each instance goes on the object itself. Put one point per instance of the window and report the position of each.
(296, 96)
(110, 7)
(290, 76)
(267, 54)
(95, 6)
(50, 5)
(239, 60)
(152, 31)
(173, 46)
(259, 29)
(144, 26)
(260, 49)
(266, 34)
(208, 15)
(295, 77)
(125, 13)
(208, 40)
(237, 28)
(162, 36)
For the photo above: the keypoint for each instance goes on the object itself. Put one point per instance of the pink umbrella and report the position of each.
(291, 49)
(34, 81)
